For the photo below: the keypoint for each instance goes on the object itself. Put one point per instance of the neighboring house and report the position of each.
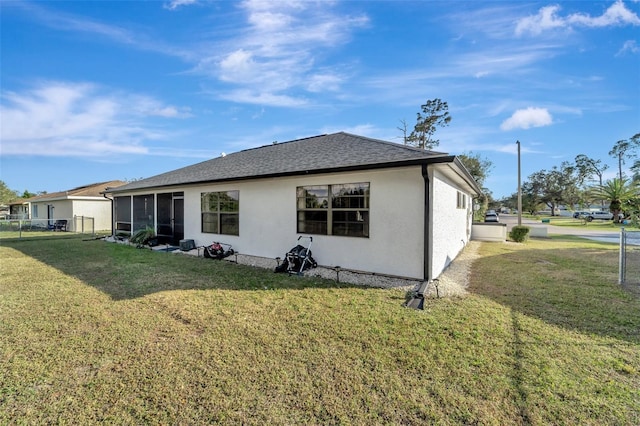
(18, 209)
(88, 201)
(370, 205)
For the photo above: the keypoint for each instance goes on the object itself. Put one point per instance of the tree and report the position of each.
(27, 194)
(6, 195)
(434, 113)
(635, 140)
(618, 192)
(404, 129)
(624, 149)
(530, 202)
(636, 171)
(588, 167)
(477, 166)
(554, 187)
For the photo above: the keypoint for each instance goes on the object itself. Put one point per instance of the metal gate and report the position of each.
(629, 260)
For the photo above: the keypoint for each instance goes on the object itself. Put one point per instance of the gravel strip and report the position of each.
(453, 281)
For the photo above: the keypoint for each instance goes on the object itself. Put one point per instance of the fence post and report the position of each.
(622, 259)
(19, 228)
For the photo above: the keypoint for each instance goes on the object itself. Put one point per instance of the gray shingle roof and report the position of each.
(317, 154)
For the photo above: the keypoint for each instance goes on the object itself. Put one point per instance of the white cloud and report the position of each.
(174, 4)
(262, 98)
(276, 53)
(78, 120)
(629, 46)
(616, 14)
(548, 18)
(148, 106)
(526, 118)
(324, 82)
(80, 24)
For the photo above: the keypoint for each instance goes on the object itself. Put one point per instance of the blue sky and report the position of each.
(99, 90)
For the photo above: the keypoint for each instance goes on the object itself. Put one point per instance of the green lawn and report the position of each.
(603, 225)
(94, 332)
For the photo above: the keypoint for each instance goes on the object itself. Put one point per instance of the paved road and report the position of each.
(612, 236)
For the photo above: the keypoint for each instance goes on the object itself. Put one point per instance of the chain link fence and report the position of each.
(77, 224)
(629, 260)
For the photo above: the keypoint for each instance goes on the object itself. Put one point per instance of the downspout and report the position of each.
(427, 223)
(417, 300)
(113, 234)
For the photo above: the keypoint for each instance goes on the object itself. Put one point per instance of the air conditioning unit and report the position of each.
(186, 245)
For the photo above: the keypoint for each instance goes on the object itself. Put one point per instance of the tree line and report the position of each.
(581, 183)
(8, 195)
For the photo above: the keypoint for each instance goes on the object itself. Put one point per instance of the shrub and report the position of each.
(519, 234)
(142, 236)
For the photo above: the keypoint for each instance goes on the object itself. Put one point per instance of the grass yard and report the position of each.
(596, 225)
(95, 332)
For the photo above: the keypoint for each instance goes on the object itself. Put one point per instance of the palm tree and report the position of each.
(618, 192)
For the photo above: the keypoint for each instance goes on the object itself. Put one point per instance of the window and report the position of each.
(35, 211)
(221, 212)
(334, 209)
(462, 200)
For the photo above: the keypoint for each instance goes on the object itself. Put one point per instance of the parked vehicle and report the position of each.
(578, 214)
(598, 215)
(491, 217)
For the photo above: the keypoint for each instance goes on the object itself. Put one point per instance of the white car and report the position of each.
(600, 215)
(491, 217)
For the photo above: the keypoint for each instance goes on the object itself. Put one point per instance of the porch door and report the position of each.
(178, 218)
(49, 215)
(170, 217)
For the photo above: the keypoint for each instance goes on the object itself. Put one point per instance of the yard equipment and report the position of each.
(298, 259)
(218, 250)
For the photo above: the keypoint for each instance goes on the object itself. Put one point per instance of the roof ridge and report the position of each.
(90, 185)
(395, 144)
(325, 153)
(274, 143)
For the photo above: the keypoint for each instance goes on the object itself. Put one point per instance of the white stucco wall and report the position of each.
(451, 226)
(395, 245)
(62, 209)
(98, 209)
(268, 221)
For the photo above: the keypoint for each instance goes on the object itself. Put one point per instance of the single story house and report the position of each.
(18, 209)
(370, 205)
(83, 201)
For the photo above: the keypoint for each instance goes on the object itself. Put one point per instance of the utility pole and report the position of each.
(519, 189)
